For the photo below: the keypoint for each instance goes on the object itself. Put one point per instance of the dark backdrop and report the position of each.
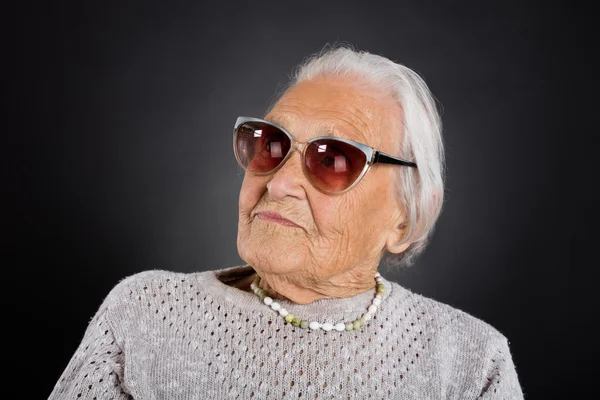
(118, 159)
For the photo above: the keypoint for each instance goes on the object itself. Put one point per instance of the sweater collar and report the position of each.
(324, 310)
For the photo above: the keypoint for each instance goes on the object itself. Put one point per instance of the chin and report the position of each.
(270, 259)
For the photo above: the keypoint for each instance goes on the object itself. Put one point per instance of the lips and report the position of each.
(274, 217)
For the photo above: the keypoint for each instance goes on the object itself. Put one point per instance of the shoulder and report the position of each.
(472, 352)
(451, 323)
(149, 287)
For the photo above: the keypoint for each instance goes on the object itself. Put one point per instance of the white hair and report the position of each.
(420, 190)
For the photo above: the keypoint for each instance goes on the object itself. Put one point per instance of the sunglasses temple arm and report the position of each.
(381, 157)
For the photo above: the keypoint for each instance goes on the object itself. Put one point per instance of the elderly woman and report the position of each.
(345, 169)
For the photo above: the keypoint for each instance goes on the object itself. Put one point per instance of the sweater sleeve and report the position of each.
(501, 380)
(96, 369)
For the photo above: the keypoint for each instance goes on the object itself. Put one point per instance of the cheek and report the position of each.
(250, 194)
(337, 216)
(353, 218)
(252, 190)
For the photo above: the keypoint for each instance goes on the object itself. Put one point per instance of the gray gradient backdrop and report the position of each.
(121, 159)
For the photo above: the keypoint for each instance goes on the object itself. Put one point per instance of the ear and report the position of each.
(396, 234)
(394, 239)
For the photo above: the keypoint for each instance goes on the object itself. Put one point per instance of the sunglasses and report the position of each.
(333, 165)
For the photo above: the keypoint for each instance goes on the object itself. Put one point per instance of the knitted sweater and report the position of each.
(167, 335)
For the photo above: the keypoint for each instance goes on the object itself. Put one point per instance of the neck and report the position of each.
(304, 289)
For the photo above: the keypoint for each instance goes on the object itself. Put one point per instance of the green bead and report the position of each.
(262, 296)
(381, 287)
(356, 324)
(296, 321)
(289, 318)
(304, 324)
(349, 326)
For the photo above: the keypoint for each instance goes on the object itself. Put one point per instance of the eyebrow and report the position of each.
(277, 119)
(324, 128)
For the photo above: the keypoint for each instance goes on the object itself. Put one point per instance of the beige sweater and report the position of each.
(167, 335)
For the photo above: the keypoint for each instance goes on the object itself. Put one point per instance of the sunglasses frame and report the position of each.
(373, 156)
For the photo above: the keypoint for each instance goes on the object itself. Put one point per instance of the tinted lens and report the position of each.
(332, 165)
(260, 147)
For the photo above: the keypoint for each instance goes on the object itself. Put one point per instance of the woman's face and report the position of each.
(336, 234)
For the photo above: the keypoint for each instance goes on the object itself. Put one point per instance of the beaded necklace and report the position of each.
(340, 326)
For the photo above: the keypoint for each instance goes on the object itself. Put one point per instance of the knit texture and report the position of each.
(167, 335)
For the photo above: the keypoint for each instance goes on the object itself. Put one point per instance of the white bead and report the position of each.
(268, 300)
(376, 301)
(314, 325)
(275, 305)
(377, 274)
(252, 286)
(378, 296)
(340, 327)
(366, 316)
(327, 326)
(378, 280)
(283, 312)
(372, 308)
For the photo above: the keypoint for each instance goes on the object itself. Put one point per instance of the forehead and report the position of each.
(337, 107)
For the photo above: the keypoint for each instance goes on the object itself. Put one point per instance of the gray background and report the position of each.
(118, 159)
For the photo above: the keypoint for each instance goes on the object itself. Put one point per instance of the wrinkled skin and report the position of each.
(341, 239)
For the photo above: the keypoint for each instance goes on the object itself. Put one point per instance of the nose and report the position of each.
(289, 180)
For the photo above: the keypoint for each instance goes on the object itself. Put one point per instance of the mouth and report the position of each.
(276, 218)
